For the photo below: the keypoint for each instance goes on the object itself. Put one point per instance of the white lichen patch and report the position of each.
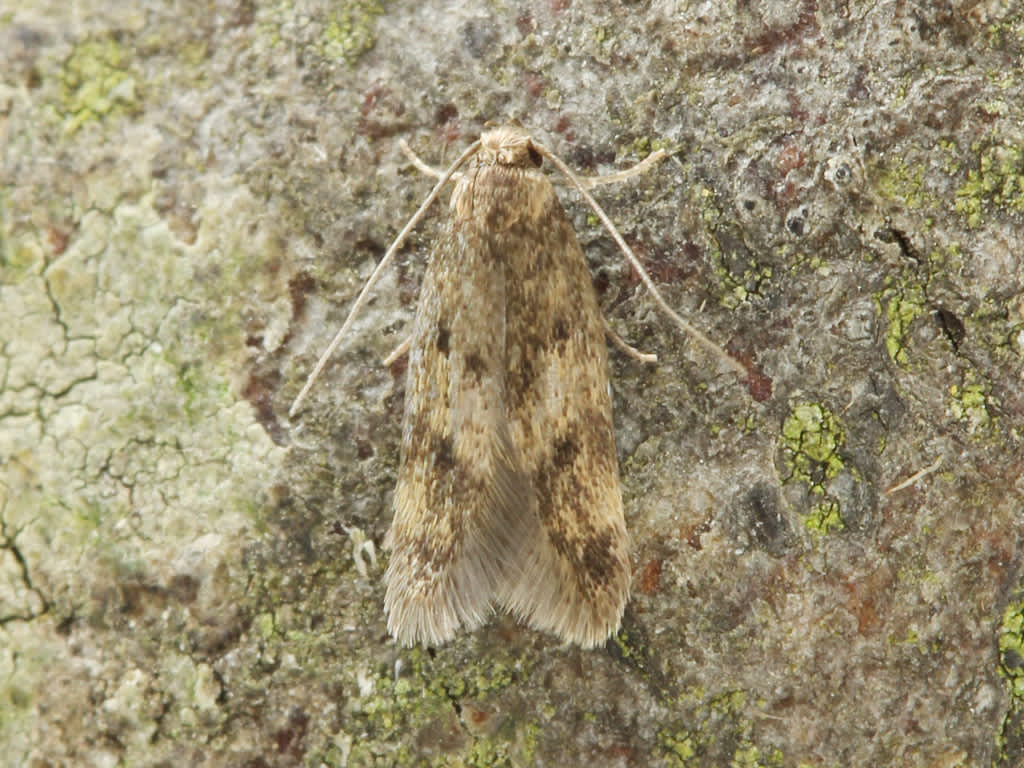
(131, 471)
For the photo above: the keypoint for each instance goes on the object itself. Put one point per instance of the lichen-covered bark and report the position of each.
(827, 570)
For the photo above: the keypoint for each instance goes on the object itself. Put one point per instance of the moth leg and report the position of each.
(624, 346)
(724, 357)
(399, 351)
(644, 166)
(421, 166)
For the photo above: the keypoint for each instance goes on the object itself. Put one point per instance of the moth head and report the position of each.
(508, 145)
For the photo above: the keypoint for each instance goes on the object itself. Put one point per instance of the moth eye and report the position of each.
(535, 156)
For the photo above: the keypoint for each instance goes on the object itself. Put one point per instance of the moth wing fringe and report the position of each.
(547, 599)
(488, 554)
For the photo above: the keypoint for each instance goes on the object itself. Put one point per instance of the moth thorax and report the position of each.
(508, 146)
(502, 196)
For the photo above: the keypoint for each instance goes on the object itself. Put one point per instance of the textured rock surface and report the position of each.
(193, 193)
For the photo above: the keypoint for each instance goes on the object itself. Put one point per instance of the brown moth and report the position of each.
(508, 487)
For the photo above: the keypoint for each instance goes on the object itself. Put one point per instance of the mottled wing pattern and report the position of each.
(508, 490)
(575, 577)
(462, 500)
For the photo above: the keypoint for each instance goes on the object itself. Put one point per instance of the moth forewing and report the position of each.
(575, 580)
(462, 500)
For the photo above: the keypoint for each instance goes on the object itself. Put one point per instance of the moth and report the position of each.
(508, 490)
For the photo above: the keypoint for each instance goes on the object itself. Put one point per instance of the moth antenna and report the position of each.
(398, 351)
(619, 176)
(361, 299)
(422, 167)
(718, 352)
(587, 181)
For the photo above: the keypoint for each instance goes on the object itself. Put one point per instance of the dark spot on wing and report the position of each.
(444, 455)
(443, 337)
(559, 542)
(520, 380)
(475, 365)
(560, 329)
(566, 450)
(599, 561)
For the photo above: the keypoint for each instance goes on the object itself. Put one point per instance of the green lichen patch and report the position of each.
(971, 402)
(1011, 650)
(629, 652)
(812, 437)
(679, 747)
(901, 309)
(642, 146)
(349, 32)
(824, 517)
(902, 181)
(97, 82)
(755, 280)
(439, 710)
(1011, 667)
(997, 182)
(722, 735)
